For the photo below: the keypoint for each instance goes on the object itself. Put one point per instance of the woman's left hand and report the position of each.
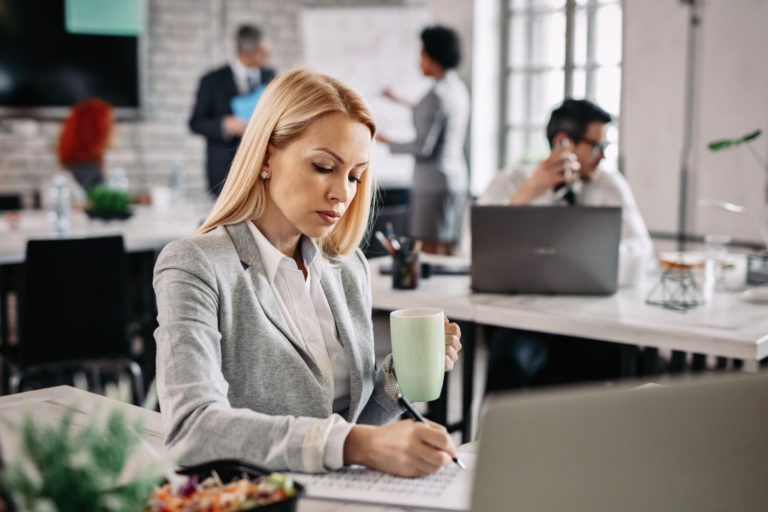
(452, 344)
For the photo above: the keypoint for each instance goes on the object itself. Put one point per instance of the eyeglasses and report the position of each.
(598, 146)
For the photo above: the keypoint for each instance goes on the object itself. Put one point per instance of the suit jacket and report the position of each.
(212, 104)
(231, 380)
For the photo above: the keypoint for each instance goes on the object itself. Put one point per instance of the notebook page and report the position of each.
(448, 489)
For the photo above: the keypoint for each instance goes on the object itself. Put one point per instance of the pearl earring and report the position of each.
(264, 175)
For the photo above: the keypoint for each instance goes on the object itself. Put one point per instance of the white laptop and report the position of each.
(695, 446)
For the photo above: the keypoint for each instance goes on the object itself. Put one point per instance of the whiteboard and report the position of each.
(370, 49)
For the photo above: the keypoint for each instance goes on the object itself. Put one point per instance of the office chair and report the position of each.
(73, 314)
(10, 202)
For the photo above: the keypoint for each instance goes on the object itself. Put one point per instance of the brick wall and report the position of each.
(185, 39)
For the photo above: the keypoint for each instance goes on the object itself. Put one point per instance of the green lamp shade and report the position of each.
(104, 17)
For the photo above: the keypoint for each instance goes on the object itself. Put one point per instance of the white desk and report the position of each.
(725, 326)
(48, 405)
(148, 229)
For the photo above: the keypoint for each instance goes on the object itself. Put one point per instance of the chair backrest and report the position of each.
(74, 300)
(10, 202)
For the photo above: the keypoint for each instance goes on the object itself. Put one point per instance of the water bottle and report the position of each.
(60, 204)
(175, 183)
(118, 179)
(177, 176)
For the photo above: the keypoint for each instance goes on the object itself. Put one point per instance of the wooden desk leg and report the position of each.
(468, 338)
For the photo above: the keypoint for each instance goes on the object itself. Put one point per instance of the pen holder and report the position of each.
(405, 270)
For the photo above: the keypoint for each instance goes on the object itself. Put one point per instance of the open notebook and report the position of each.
(448, 489)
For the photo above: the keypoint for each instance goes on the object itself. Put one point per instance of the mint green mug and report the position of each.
(418, 350)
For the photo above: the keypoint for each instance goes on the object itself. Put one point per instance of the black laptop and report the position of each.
(545, 249)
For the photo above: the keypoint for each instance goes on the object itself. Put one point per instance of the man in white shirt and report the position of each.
(569, 176)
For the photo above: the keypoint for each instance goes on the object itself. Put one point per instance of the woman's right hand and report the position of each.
(403, 448)
(390, 94)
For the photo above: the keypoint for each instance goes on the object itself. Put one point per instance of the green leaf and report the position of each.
(719, 145)
(78, 471)
(751, 136)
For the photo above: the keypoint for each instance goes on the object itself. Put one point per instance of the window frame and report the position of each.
(529, 127)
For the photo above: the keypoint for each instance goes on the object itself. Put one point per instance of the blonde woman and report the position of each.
(265, 344)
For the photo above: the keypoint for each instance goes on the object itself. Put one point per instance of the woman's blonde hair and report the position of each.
(288, 106)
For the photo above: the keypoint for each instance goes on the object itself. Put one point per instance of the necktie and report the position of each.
(253, 82)
(569, 196)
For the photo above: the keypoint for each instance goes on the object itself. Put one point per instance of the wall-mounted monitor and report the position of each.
(48, 61)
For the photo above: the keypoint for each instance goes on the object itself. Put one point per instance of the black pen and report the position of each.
(416, 415)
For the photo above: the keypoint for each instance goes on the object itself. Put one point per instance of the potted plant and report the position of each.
(108, 203)
(757, 264)
(63, 469)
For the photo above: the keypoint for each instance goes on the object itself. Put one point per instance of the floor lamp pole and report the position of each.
(685, 158)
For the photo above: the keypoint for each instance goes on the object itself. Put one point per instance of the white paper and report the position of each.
(448, 489)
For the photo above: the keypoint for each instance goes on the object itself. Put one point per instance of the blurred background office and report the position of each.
(673, 75)
(670, 87)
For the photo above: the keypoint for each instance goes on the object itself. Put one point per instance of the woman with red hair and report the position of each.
(85, 136)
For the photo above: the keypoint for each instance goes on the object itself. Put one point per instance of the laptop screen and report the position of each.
(545, 249)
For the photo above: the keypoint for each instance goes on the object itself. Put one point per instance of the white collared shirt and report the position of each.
(241, 74)
(305, 309)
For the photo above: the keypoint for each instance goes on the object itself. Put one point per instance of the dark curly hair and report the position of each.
(442, 45)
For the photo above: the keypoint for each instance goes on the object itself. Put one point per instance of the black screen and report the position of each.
(42, 65)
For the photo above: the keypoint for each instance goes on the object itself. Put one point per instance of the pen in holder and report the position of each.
(406, 268)
(405, 258)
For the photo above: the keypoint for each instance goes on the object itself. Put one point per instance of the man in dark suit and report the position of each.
(212, 115)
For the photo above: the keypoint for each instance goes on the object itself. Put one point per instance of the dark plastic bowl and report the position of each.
(230, 469)
(108, 215)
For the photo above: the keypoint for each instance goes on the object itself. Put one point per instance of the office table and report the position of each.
(725, 326)
(147, 230)
(48, 405)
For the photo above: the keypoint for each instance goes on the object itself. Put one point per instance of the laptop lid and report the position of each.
(545, 249)
(696, 446)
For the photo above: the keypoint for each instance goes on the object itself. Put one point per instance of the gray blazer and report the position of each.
(231, 380)
(440, 119)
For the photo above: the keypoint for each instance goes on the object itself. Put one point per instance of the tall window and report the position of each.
(557, 49)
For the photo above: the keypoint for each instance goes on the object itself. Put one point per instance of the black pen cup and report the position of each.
(405, 270)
